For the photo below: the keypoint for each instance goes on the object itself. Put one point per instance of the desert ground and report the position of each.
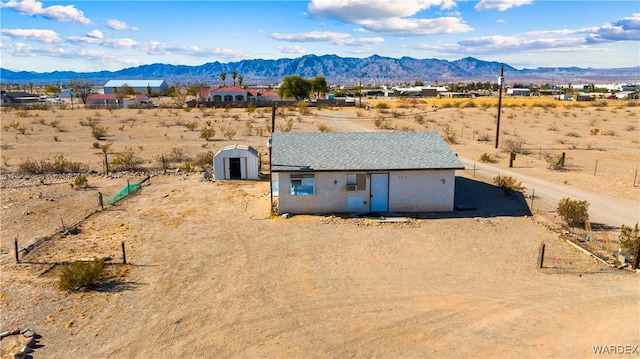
(210, 273)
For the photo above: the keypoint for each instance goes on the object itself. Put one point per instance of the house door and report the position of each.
(235, 171)
(379, 192)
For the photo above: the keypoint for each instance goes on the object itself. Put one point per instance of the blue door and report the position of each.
(379, 192)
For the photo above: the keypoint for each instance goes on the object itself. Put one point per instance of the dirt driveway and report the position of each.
(212, 276)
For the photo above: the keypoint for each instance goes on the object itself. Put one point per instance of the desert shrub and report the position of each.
(487, 158)
(207, 133)
(230, 132)
(595, 131)
(260, 131)
(98, 132)
(449, 134)
(508, 184)
(611, 133)
(178, 154)
(81, 275)
(396, 114)
(30, 166)
(419, 119)
(287, 127)
(630, 128)
(574, 212)
(515, 146)
(382, 105)
(190, 125)
(126, 160)
(628, 238)
(236, 117)
(323, 127)
(80, 181)
(248, 128)
(251, 107)
(572, 134)
(204, 159)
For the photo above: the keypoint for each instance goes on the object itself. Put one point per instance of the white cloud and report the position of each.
(96, 34)
(353, 11)
(336, 38)
(500, 5)
(55, 12)
(624, 29)
(417, 27)
(290, 49)
(392, 19)
(46, 36)
(114, 24)
(313, 36)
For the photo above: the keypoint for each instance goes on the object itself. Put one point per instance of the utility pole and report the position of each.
(269, 144)
(500, 82)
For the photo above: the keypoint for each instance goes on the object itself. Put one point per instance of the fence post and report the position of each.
(128, 188)
(595, 168)
(634, 177)
(100, 202)
(124, 255)
(541, 256)
(15, 245)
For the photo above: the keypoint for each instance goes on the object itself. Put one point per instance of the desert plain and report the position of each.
(210, 273)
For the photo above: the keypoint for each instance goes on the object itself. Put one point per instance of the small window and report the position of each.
(356, 182)
(302, 185)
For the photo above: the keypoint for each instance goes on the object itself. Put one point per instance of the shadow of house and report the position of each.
(479, 199)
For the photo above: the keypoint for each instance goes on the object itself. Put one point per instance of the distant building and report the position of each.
(19, 99)
(141, 86)
(518, 92)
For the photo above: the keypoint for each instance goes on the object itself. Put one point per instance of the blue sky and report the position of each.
(89, 35)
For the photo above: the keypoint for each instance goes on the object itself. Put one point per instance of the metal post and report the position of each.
(128, 188)
(273, 125)
(124, 255)
(596, 168)
(500, 81)
(541, 258)
(533, 196)
(634, 177)
(100, 202)
(636, 260)
(15, 245)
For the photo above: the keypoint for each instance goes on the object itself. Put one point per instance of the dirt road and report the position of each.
(603, 209)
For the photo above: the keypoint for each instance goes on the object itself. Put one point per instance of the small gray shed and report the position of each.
(236, 162)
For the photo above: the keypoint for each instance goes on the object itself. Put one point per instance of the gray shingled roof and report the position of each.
(341, 151)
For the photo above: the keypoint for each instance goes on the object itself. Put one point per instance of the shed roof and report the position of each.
(341, 151)
(134, 83)
(238, 147)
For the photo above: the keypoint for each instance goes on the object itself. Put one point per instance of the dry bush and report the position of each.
(207, 133)
(230, 132)
(204, 159)
(81, 275)
(449, 134)
(126, 160)
(98, 132)
(572, 134)
(574, 212)
(508, 184)
(487, 158)
(323, 127)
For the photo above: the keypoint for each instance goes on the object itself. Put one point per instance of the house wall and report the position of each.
(249, 167)
(409, 191)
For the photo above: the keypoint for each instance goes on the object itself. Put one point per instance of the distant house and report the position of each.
(141, 86)
(236, 162)
(107, 100)
(18, 99)
(101, 100)
(518, 92)
(363, 172)
(231, 94)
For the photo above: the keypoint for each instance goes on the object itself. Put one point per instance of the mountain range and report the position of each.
(373, 70)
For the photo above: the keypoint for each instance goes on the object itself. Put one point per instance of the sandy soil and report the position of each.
(210, 274)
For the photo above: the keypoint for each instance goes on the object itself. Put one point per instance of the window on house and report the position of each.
(302, 185)
(356, 182)
(228, 98)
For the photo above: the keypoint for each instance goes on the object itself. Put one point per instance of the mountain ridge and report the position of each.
(374, 69)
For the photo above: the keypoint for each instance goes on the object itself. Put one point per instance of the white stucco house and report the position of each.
(362, 172)
(141, 86)
(236, 162)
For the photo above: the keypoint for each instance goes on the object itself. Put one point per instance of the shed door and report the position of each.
(235, 170)
(379, 192)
